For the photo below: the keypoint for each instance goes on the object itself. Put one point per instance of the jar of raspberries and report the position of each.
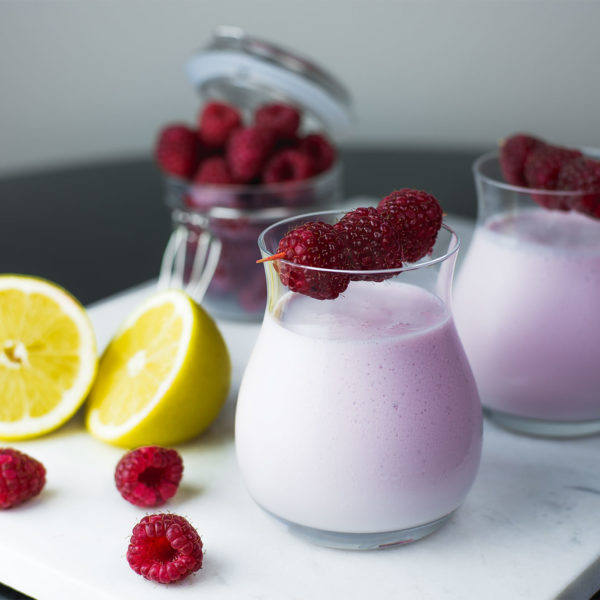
(262, 149)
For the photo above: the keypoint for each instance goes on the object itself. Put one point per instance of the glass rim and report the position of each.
(495, 155)
(267, 213)
(454, 247)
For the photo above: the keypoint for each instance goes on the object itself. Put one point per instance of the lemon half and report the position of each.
(163, 378)
(48, 356)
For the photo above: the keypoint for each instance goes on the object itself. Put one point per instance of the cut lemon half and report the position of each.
(163, 378)
(48, 356)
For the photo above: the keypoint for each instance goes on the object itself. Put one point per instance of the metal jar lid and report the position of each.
(248, 71)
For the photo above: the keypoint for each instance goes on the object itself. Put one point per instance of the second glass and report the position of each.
(358, 421)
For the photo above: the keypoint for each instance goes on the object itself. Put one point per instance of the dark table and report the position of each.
(100, 228)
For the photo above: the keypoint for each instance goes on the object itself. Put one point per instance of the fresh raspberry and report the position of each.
(177, 150)
(543, 166)
(318, 148)
(282, 118)
(314, 244)
(541, 173)
(216, 122)
(213, 170)
(288, 165)
(514, 152)
(581, 174)
(372, 241)
(149, 476)
(21, 477)
(417, 217)
(164, 548)
(247, 152)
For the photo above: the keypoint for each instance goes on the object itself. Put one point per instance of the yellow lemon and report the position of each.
(48, 356)
(164, 377)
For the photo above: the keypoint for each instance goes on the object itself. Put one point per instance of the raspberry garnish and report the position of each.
(417, 217)
(247, 152)
(149, 476)
(282, 118)
(288, 165)
(318, 148)
(544, 164)
(541, 172)
(177, 150)
(164, 548)
(21, 477)
(372, 241)
(583, 175)
(216, 122)
(514, 152)
(213, 170)
(314, 244)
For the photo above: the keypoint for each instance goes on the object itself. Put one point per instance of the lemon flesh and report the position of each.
(163, 378)
(48, 356)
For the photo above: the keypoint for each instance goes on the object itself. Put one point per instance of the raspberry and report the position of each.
(314, 244)
(213, 170)
(372, 241)
(282, 118)
(247, 152)
(543, 165)
(149, 476)
(513, 155)
(164, 548)
(288, 165)
(581, 174)
(417, 217)
(21, 477)
(319, 150)
(541, 173)
(216, 122)
(177, 150)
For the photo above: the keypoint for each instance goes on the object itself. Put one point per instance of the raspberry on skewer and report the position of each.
(417, 217)
(372, 241)
(313, 244)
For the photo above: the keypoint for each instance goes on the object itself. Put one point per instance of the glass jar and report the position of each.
(248, 72)
(358, 422)
(526, 306)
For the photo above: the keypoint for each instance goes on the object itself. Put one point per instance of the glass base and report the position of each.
(541, 427)
(363, 541)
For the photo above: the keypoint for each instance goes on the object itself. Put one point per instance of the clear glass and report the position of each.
(236, 215)
(358, 422)
(526, 307)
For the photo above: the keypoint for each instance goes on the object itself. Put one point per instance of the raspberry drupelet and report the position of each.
(417, 217)
(21, 477)
(149, 476)
(164, 548)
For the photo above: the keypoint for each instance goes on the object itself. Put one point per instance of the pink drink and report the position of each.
(361, 414)
(527, 306)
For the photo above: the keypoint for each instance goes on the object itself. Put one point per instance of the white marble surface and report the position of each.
(529, 529)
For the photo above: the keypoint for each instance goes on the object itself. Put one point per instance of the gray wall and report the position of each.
(92, 79)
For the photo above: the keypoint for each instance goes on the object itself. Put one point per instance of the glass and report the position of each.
(235, 216)
(212, 250)
(358, 422)
(526, 307)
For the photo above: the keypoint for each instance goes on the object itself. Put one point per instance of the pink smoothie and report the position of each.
(359, 415)
(527, 307)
